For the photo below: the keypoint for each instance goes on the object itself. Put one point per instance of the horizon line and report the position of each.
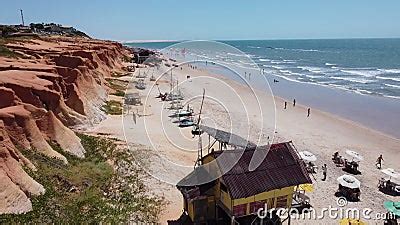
(272, 39)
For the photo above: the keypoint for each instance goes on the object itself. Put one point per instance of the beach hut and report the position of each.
(239, 192)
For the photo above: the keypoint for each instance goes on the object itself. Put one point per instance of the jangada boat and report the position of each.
(140, 84)
(182, 113)
(186, 123)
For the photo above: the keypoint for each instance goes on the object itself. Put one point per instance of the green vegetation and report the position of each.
(113, 107)
(127, 59)
(6, 52)
(90, 190)
(118, 86)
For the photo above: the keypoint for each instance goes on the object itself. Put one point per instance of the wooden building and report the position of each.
(239, 192)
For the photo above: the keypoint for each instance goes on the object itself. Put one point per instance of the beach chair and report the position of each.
(352, 194)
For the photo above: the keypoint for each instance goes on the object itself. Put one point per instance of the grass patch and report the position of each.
(6, 52)
(90, 190)
(127, 59)
(118, 86)
(113, 107)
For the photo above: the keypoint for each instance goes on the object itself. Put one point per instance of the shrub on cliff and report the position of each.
(106, 186)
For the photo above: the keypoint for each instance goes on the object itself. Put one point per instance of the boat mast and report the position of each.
(197, 126)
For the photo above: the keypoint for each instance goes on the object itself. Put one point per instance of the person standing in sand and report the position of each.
(308, 112)
(324, 171)
(379, 162)
(294, 102)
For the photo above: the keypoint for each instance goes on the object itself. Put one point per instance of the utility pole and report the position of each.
(22, 17)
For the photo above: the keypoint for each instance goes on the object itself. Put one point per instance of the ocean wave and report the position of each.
(264, 60)
(314, 76)
(362, 72)
(354, 79)
(393, 86)
(330, 64)
(389, 78)
(318, 70)
(254, 46)
(288, 72)
(234, 54)
(299, 49)
(391, 96)
(289, 79)
(390, 70)
(274, 67)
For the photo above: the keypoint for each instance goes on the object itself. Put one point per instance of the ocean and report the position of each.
(363, 66)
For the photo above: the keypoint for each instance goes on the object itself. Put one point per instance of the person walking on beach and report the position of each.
(133, 116)
(379, 162)
(324, 170)
(308, 112)
(294, 102)
(285, 104)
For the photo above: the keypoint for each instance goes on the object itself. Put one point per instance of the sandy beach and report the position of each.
(173, 150)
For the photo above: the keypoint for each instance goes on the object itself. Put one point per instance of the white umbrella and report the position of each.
(349, 181)
(307, 156)
(391, 173)
(355, 155)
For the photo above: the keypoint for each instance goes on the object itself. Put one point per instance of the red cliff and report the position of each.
(56, 83)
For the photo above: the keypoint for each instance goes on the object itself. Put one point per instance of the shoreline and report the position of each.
(377, 113)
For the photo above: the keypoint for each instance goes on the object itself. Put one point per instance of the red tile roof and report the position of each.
(280, 168)
(276, 167)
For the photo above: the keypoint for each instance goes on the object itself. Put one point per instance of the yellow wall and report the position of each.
(226, 200)
(229, 203)
(191, 210)
(270, 195)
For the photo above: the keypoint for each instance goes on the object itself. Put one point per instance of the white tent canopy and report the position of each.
(307, 156)
(354, 155)
(349, 181)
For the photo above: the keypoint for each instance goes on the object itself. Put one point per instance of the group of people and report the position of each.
(337, 159)
(294, 104)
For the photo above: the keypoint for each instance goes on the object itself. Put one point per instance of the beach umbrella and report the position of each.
(308, 156)
(393, 207)
(391, 173)
(354, 155)
(348, 221)
(349, 181)
(306, 187)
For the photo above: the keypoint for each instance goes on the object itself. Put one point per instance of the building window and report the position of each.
(281, 201)
(240, 210)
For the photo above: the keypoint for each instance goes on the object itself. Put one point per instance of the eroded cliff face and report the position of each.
(58, 83)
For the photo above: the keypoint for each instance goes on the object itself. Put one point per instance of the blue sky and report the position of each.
(217, 20)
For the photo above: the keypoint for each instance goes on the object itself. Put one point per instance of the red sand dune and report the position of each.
(59, 82)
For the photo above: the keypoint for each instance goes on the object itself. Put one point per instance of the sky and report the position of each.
(125, 20)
